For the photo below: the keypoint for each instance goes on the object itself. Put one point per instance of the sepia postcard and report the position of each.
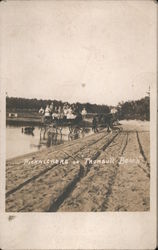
(78, 124)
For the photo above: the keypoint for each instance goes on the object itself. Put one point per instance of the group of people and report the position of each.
(69, 112)
(52, 113)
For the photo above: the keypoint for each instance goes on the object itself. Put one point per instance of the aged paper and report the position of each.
(78, 124)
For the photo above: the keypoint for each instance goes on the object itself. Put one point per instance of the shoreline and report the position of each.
(46, 150)
(55, 147)
(100, 172)
(23, 121)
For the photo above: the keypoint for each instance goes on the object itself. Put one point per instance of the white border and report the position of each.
(107, 230)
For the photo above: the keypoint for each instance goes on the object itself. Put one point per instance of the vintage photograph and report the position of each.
(78, 86)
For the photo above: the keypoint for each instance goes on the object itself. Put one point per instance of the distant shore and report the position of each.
(23, 121)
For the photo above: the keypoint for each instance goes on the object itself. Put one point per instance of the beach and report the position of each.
(101, 172)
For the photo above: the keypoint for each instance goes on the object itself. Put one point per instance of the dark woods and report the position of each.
(139, 109)
(15, 104)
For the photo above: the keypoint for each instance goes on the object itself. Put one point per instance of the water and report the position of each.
(18, 143)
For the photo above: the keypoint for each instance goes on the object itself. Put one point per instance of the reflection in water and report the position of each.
(22, 140)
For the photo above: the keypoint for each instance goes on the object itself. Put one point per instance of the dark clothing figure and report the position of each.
(109, 122)
(94, 125)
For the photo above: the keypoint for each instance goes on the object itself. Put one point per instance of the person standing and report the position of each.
(84, 113)
(47, 114)
(51, 108)
(41, 112)
(109, 122)
(94, 125)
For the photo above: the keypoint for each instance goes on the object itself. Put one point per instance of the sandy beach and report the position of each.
(101, 172)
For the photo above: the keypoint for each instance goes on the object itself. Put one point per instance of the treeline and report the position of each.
(139, 109)
(14, 103)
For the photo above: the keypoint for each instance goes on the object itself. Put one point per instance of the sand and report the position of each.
(115, 178)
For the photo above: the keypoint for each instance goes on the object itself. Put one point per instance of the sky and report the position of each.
(100, 52)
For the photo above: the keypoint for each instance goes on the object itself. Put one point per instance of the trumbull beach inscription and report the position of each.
(122, 160)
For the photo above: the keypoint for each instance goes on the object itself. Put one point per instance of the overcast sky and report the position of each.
(88, 51)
